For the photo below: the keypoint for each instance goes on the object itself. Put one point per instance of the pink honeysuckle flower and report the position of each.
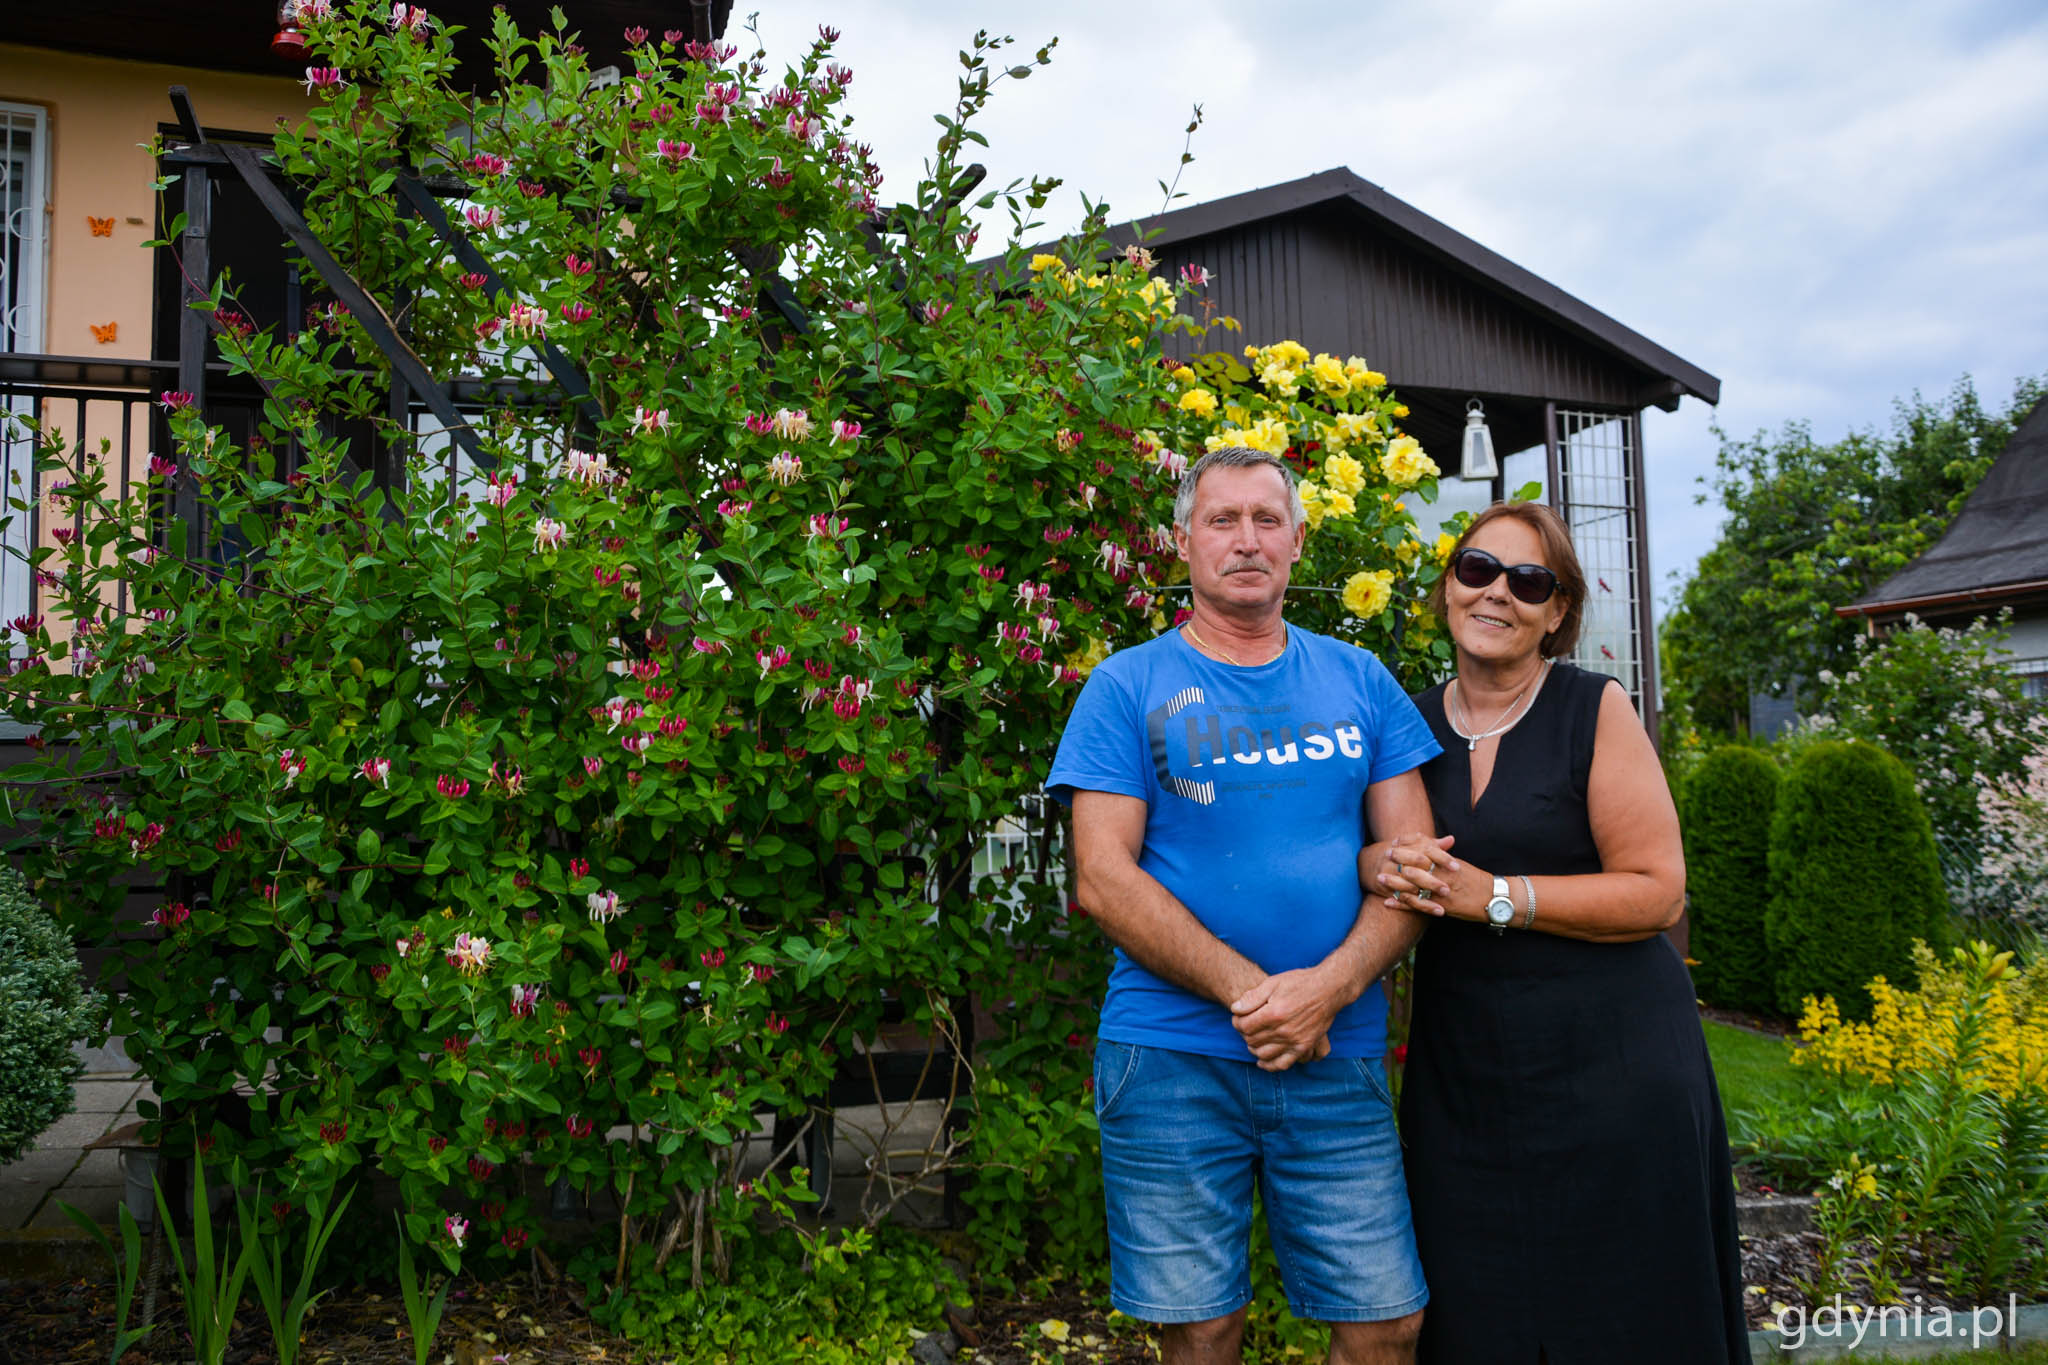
(1183, 614)
(1195, 275)
(1086, 494)
(1113, 557)
(619, 962)
(636, 35)
(403, 944)
(826, 527)
(827, 34)
(934, 311)
(1048, 627)
(1137, 599)
(844, 433)
(713, 958)
(323, 78)
(475, 279)
(576, 311)
(576, 1125)
(548, 534)
(1029, 653)
(802, 127)
(377, 770)
(672, 727)
(776, 178)
(593, 766)
(409, 18)
(483, 219)
(524, 998)
(471, 953)
(727, 93)
(675, 150)
(772, 659)
(847, 699)
(1171, 464)
(291, 765)
(851, 637)
(527, 319)
(500, 490)
(310, 11)
(645, 670)
(579, 868)
(174, 400)
(457, 1228)
(761, 972)
(1009, 634)
(160, 468)
(851, 764)
(620, 711)
(704, 646)
(791, 424)
(577, 265)
(758, 424)
(1030, 594)
(454, 788)
(729, 508)
(650, 419)
(486, 163)
(636, 743)
(785, 97)
(659, 693)
(992, 572)
(512, 780)
(172, 915)
(841, 76)
(580, 466)
(63, 535)
(711, 112)
(785, 468)
(671, 36)
(489, 328)
(604, 906)
(26, 625)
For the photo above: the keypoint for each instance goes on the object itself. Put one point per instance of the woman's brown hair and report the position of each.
(1557, 553)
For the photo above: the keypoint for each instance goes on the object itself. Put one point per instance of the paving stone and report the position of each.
(110, 1060)
(100, 1203)
(74, 1131)
(18, 1200)
(39, 1168)
(103, 1097)
(98, 1168)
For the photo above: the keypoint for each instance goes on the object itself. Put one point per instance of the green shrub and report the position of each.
(1728, 800)
(1854, 877)
(44, 1008)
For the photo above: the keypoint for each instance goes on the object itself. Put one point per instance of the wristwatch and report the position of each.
(1500, 911)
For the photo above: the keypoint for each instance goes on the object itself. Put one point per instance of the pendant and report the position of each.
(1471, 744)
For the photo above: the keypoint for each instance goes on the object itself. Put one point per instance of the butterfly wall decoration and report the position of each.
(101, 227)
(104, 333)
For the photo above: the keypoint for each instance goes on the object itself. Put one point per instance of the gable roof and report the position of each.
(1375, 208)
(1997, 547)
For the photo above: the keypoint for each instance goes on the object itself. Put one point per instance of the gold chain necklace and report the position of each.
(1189, 631)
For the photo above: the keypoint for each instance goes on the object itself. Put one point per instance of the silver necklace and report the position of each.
(1508, 718)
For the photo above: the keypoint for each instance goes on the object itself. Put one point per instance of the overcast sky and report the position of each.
(1828, 205)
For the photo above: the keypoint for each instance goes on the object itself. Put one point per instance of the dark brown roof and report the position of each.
(234, 35)
(1995, 551)
(1365, 207)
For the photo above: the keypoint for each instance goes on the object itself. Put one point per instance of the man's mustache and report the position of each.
(1247, 566)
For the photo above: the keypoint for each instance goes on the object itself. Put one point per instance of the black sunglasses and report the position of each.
(1531, 583)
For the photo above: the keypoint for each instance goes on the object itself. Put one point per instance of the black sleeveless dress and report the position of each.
(1566, 1158)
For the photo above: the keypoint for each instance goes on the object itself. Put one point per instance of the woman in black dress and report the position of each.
(1566, 1158)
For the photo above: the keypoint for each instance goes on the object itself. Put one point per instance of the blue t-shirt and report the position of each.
(1255, 782)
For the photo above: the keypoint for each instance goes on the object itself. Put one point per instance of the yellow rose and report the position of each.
(1339, 504)
(1311, 492)
(1404, 464)
(1279, 378)
(1183, 375)
(1289, 353)
(1158, 296)
(1366, 380)
(1445, 543)
(1407, 550)
(1236, 415)
(1200, 402)
(1042, 261)
(1251, 353)
(1328, 372)
(1366, 594)
(1344, 474)
(1399, 409)
(1216, 440)
(1268, 434)
(1356, 426)
(1331, 437)
(1095, 653)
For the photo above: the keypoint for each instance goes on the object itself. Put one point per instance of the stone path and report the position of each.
(60, 1166)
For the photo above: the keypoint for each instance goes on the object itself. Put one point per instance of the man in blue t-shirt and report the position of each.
(1223, 779)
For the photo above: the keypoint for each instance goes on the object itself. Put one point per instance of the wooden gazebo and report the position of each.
(1338, 264)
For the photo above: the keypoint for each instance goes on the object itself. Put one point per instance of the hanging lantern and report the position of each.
(288, 43)
(1475, 451)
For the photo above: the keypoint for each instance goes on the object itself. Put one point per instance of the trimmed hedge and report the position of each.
(1854, 876)
(44, 1008)
(1729, 800)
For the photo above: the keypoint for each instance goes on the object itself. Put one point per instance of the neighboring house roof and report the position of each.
(1373, 208)
(1995, 551)
(234, 35)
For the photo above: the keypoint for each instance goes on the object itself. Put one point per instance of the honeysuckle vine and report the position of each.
(570, 812)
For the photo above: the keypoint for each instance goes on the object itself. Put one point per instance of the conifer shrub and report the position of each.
(1854, 876)
(44, 1008)
(1728, 802)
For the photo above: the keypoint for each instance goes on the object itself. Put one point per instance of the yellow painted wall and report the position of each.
(102, 115)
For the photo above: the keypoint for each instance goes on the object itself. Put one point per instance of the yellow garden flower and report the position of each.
(1290, 353)
(1042, 261)
(1399, 409)
(1269, 434)
(1279, 378)
(1328, 372)
(1183, 375)
(1344, 474)
(1407, 550)
(1332, 437)
(1312, 502)
(1404, 464)
(1366, 594)
(1200, 402)
(1235, 414)
(1158, 296)
(1445, 543)
(1095, 653)
(1356, 426)
(1339, 505)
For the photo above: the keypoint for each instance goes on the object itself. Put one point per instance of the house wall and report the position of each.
(102, 116)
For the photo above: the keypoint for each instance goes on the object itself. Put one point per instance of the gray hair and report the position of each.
(1232, 457)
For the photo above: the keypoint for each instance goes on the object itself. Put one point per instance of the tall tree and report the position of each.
(1810, 527)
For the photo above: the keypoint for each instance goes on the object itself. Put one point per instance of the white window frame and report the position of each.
(25, 330)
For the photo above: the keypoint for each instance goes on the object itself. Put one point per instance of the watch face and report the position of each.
(1500, 911)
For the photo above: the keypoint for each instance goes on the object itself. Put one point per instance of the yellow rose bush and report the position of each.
(1367, 567)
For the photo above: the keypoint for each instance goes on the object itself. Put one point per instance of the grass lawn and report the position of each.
(1750, 1068)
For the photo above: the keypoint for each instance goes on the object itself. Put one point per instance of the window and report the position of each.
(24, 254)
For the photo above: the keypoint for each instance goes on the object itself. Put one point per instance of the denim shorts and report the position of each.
(1184, 1137)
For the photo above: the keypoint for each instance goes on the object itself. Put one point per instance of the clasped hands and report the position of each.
(1286, 1017)
(1417, 873)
